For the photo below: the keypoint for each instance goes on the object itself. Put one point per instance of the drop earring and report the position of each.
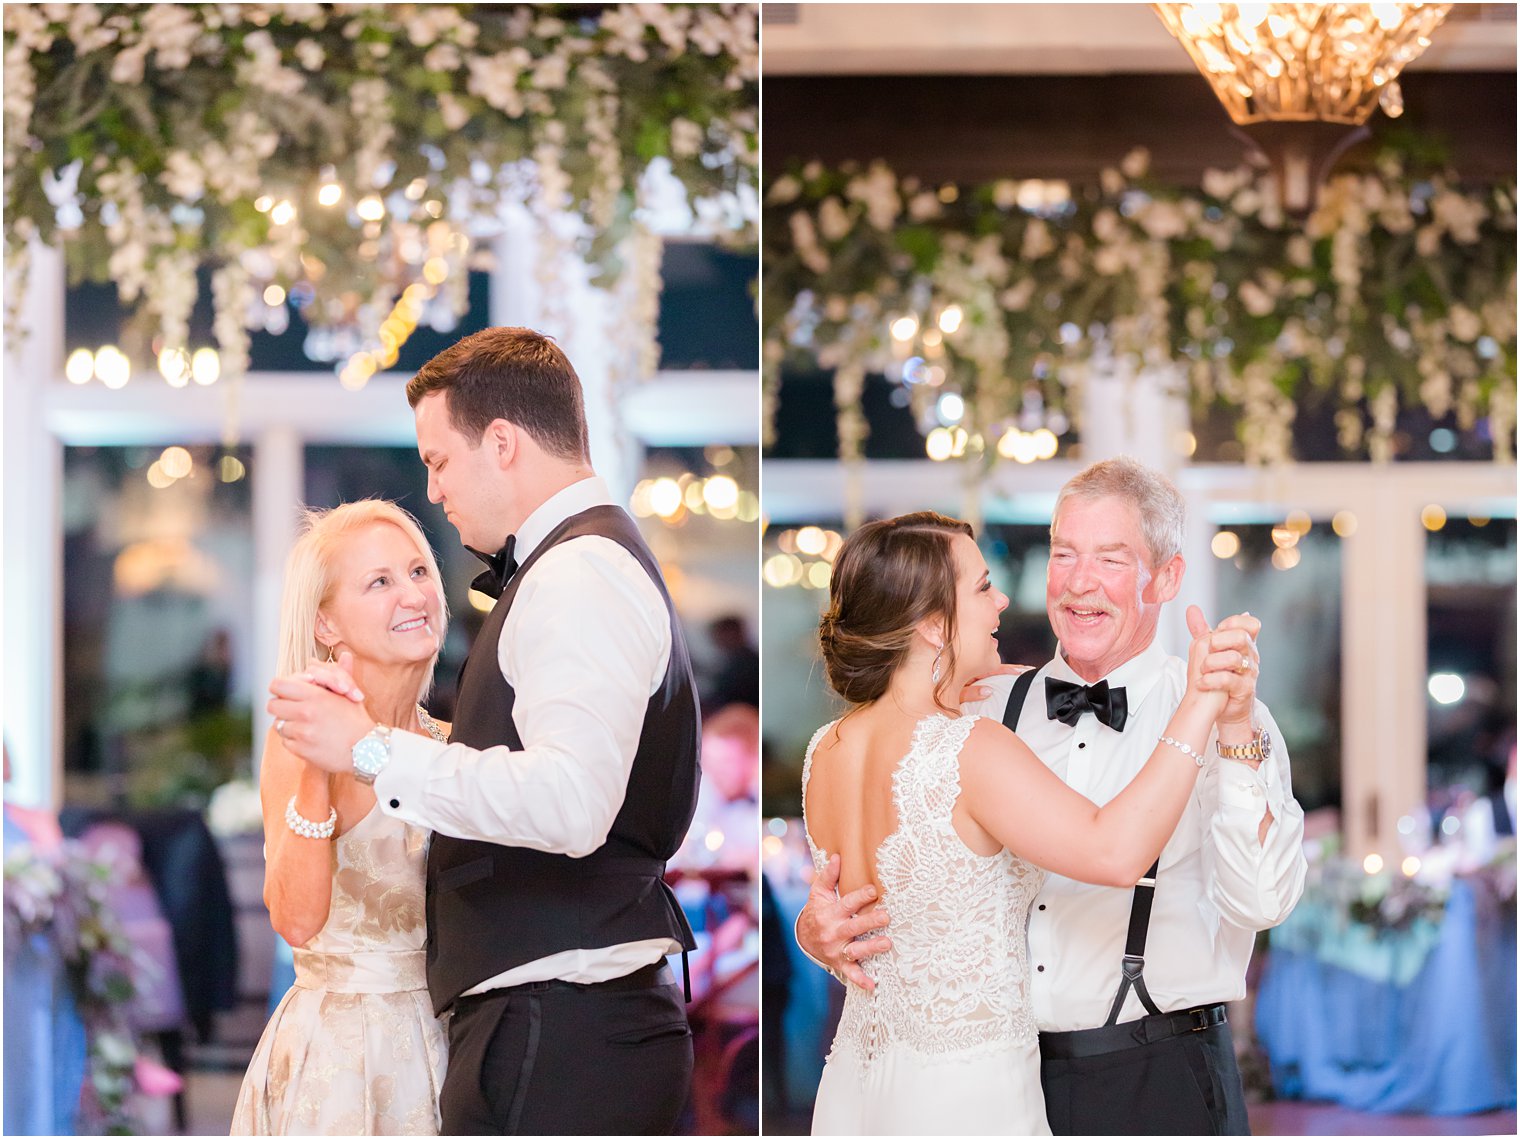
(934, 673)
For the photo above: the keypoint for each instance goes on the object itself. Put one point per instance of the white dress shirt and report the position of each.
(584, 646)
(1217, 884)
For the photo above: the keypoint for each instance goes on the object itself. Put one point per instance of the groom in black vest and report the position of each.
(570, 776)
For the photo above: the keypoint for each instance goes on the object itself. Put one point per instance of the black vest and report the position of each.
(491, 908)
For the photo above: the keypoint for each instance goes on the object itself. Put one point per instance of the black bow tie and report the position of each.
(502, 566)
(1066, 702)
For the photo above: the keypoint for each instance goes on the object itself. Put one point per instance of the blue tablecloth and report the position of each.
(1444, 1043)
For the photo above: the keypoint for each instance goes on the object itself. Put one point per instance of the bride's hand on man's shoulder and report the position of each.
(976, 690)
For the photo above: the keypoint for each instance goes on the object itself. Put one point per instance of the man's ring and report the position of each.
(1244, 666)
(279, 728)
(846, 951)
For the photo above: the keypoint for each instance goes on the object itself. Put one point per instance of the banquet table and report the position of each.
(1418, 1021)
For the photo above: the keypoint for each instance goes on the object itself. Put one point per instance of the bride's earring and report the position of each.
(331, 656)
(934, 673)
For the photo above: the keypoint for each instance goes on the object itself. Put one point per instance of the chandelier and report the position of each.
(1301, 80)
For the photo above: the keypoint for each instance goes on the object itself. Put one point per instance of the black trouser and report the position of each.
(1187, 1084)
(552, 1058)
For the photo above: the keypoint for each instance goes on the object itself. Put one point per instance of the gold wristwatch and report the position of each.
(1258, 750)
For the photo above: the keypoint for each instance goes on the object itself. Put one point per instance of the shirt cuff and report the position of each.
(1244, 788)
(835, 973)
(399, 787)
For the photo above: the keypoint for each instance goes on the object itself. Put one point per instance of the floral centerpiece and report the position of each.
(333, 156)
(1398, 291)
(63, 898)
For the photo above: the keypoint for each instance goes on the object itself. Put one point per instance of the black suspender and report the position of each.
(1016, 699)
(1133, 968)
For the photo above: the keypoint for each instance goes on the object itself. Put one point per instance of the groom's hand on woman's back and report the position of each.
(828, 926)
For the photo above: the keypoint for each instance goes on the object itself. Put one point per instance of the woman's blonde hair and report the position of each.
(309, 577)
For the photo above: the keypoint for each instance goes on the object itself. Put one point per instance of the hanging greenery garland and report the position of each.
(334, 154)
(1398, 291)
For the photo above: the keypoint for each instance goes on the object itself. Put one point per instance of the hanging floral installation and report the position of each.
(344, 159)
(1398, 291)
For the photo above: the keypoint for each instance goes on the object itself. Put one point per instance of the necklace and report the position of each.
(429, 725)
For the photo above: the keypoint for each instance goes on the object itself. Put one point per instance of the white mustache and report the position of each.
(1096, 601)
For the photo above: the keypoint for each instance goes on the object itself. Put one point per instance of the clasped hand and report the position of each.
(319, 713)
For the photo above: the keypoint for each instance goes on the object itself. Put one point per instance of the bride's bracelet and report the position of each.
(305, 827)
(1185, 749)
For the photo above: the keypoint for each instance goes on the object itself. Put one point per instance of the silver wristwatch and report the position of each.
(372, 753)
(1259, 749)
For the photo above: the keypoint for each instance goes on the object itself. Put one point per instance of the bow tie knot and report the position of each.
(500, 567)
(1066, 702)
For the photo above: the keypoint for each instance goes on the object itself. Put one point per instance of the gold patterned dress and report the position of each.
(354, 1048)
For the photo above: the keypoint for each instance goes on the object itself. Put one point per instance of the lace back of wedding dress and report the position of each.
(956, 979)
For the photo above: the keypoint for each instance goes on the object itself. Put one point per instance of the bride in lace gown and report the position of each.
(951, 818)
(354, 1047)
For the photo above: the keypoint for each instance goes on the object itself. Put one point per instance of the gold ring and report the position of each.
(279, 728)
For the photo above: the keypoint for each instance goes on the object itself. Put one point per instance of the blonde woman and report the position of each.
(354, 1047)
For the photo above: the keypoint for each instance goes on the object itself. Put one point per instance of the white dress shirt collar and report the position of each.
(573, 499)
(1137, 676)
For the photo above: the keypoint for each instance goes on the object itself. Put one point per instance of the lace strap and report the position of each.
(928, 783)
(820, 857)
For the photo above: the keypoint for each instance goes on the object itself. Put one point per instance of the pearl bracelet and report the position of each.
(305, 827)
(1179, 745)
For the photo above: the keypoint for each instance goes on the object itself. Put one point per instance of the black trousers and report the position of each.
(1184, 1085)
(558, 1059)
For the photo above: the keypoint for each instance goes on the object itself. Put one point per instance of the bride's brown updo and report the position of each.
(889, 576)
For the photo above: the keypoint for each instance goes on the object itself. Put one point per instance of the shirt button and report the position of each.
(1082, 745)
(1042, 905)
(1039, 968)
(395, 803)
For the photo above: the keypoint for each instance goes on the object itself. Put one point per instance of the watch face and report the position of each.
(370, 755)
(1264, 742)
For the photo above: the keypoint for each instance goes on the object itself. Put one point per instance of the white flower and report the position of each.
(1222, 183)
(833, 222)
(1163, 220)
(783, 190)
(1111, 180)
(454, 113)
(1427, 241)
(1136, 163)
(1036, 242)
(183, 176)
(550, 72)
(1459, 214)
(1300, 251)
(263, 69)
(127, 67)
(172, 31)
(1465, 325)
(1106, 226)
(686, 138)
(924, 205)
(805, 240)
(1255, 298)
(311, 55)
(877, 189)
(1005, 193)
(1016, 298)
(494, 79)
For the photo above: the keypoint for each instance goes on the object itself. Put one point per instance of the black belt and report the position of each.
(1131, 1034)
(651, 976)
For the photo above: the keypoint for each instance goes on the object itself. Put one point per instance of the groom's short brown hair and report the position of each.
(515, 374)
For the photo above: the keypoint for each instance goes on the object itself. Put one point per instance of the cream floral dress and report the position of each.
(354, 1048)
